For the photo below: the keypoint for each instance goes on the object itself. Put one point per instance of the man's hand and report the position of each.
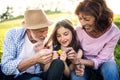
(44, 56)
(38, 47)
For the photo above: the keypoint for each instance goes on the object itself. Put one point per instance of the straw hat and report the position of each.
(36, 19)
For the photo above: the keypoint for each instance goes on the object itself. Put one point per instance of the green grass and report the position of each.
(117, 49)
(117, 20)
(5, 25)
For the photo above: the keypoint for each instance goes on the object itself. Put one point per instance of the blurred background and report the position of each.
(17, 7)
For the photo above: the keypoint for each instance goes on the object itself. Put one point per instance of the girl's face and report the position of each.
(64, 36)
(87, 22)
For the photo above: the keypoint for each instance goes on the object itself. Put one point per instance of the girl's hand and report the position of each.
(63, 56)
(55, 55)
(71, 54)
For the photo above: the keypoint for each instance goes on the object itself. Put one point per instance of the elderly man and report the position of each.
(19, 56)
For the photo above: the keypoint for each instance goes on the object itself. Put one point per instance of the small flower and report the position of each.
(60, 52)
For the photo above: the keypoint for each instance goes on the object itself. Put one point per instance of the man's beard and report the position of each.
(33, 36)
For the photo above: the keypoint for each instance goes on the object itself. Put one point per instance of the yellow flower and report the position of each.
(60, 52)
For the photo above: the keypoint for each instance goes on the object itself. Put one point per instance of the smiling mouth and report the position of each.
(86, 27)
(64, 41)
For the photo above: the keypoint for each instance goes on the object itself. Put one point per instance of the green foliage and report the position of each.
(117, 20)
(51, 12)
(7, 14)
(5, 26)
(117, 48)
(117, 54)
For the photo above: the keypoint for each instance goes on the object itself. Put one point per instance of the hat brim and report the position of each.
(47, 24)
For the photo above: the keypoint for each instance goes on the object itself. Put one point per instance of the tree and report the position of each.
(7, 14)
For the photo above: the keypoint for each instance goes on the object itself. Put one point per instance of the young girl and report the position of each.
(66, 47)
(64, 38)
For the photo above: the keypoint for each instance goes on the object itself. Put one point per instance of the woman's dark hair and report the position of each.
(99, 9)
(68, 25)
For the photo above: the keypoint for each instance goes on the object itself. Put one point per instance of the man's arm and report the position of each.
(44, 56)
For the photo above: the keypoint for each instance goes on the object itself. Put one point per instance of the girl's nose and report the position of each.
(62, 38)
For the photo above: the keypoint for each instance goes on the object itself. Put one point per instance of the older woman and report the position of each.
(98, 37)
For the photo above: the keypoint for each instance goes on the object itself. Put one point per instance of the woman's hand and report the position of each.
(79, 69)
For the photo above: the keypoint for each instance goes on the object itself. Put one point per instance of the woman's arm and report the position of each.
(78, 56)
(85, 62)
(79, 59)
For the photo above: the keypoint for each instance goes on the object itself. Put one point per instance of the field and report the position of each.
(5, 25)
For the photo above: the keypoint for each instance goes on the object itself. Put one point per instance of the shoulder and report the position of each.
(80, 31)
(114, 30)
(15, 33)
(77, 28)
(16, 30)
(112, 34)
(114, 27)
